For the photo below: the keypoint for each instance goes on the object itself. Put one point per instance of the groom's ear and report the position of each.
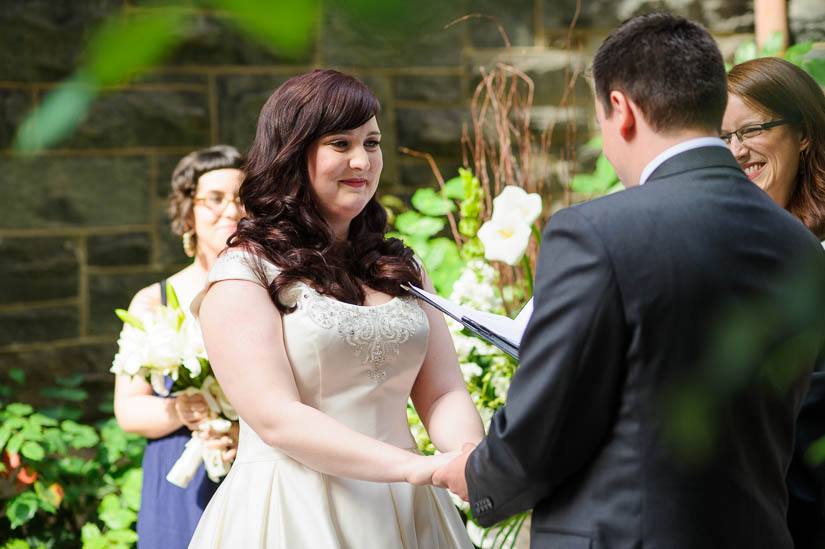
(626, 112)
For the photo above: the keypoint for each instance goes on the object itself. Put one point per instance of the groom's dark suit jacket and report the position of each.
(629, 291)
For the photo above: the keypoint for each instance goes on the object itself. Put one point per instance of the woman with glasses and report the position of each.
(775, 127)
(204, 208)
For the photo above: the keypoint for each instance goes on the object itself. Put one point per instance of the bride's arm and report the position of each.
(440, 395)
(243, 333)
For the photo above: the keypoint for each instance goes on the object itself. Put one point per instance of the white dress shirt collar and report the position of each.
(679, 148)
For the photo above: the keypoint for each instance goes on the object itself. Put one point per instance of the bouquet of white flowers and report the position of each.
(165, 342)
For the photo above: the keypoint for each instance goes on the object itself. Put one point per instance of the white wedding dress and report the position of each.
(356, 364)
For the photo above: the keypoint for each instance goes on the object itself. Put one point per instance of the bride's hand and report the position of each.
(420, 469)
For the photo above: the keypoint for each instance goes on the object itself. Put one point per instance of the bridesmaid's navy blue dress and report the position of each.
(168, 515)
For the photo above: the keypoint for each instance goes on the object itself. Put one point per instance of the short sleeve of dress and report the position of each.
(234, 264)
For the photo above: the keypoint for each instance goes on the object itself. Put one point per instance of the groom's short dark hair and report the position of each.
(671, 68)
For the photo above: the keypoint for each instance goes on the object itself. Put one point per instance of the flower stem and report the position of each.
(529, 272)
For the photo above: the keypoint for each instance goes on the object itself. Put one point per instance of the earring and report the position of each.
(188, 244)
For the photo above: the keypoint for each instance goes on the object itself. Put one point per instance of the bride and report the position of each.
(319, 348)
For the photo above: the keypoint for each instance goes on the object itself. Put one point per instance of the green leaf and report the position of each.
(63, 412)
(585, 183)
(71, 381)
(16, 423)
(107, 407)
(89, 533)
(42, 420)
(5, 434)
(415, 224)
(129, 318)
(58, 114)
(130, 489)
(796, 53)
(109, 503)
(124, 536)
(454, 188)
(130, 43)
(32, 451)
(171, 296)
(745, 52)
(14, 444)
(286, 25)
(65, 393)
(21, 508)
(118, 518)
(72, 465)
(594, 143)
(773, 45)
(816, 68)
(604, 170)
(84, 437)
(17, 375)
(16, 543)
(19, 409)
(430, 202)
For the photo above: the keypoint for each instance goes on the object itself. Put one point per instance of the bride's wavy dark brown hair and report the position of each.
(284, 224)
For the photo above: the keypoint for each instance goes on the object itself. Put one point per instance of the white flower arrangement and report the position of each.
(166, 342)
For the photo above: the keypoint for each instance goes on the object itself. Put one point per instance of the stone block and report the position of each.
(41, 40)
(435, 131)
(806, 19)
(240, 98)
(716, 15)
(37, 269)
(517, 18)
(43, 366)
(215, 40)
(77, 191)
(434, 89)
(392, 34)
(14, 104)
(144, 118)
(170, 250)
(108, 292)
(119, 249)
(38, 324)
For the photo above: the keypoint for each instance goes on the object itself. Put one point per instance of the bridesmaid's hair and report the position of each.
(284, 225)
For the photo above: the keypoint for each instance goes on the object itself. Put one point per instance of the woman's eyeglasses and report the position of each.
(217, 202)
(753, 130)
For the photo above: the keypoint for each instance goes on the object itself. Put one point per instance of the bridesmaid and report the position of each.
(203, 205)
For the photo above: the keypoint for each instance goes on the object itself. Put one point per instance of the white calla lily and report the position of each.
(516, 202)
(505, 238)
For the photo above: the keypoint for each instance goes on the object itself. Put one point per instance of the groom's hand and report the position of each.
(451, 475)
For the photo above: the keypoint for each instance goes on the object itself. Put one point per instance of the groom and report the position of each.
(628, 288)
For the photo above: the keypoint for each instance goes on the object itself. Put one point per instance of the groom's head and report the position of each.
(659, 80)
(669, 67)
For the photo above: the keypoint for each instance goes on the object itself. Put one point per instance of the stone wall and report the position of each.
(83, 224)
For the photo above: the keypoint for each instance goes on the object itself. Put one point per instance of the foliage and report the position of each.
(64, 483)
(796, 54)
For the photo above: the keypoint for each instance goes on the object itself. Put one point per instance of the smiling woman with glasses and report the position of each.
(204, 209)
(777, 113)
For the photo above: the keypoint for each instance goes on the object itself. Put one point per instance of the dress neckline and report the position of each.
(319, 294)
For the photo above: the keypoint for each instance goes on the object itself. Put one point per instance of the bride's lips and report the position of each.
(753, 169)
(354, 181)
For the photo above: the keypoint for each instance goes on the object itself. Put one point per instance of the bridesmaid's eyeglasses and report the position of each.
(752, 130)
(217, 202)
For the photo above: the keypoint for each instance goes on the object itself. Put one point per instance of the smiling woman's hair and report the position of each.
(283, 222)
(779, 89)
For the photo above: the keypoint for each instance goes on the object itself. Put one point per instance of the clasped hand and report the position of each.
(192, 410)
(443, 470)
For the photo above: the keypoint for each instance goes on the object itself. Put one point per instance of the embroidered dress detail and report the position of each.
(376, 332)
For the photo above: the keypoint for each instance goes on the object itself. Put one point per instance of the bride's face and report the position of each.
(344, 168)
